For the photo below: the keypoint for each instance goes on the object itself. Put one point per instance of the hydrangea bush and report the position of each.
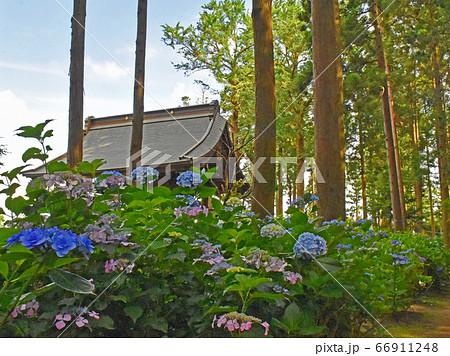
(169, 263)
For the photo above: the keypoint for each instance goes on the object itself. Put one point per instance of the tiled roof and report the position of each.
(170, 136)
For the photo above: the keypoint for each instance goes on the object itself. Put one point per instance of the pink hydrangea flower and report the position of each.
(266, 326)
(246, 326)
(94, 315)
(221, 321)
(81, 321)
(292, 277)
(60, 324)
(230, 325)
(110, 265)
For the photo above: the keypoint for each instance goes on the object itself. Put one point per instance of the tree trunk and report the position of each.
(430, 195)
(300, 180)
(390, 151)
(418, 189)
(441, 133)
(75, 144)
(279, 201)
(363, 169)
(265, 115)
(394, 117)
(328, 108)
(139, 78)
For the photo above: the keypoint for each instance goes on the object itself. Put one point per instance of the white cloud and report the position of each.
(51, 68)
(107, 70)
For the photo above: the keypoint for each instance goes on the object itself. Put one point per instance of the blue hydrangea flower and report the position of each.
(400, 260)
(272, 230)
(189, 179)
(309, 245)
(192, 201)
(14, 240)
(63, 242)
(144, 175)
(85, 244)
(314, 198)
(341, 247)
(33, 237)
(114, 173)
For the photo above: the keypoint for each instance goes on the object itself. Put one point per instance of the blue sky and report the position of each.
(34, 63)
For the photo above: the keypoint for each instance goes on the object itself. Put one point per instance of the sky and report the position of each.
(35, 55)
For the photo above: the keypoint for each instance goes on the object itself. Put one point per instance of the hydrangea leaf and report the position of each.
(159, 324)
(216, 309)
(56, 166)
(134, 312)
(71, 281)
(4, 269)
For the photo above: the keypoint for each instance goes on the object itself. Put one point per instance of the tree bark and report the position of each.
(418, 184)
(394, 117)
(328, 108)
(265, 115)
(441, 133)
(75, 143)
(279, 201)
(299, 147)
(139, 79)
(362, 162)
(390, 151)
(430, 196)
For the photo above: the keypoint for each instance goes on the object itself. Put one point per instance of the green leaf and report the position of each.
(104, 322)
(4, 269)
(56, 166)
(54, 261)
(159, 324)
(311, 330)
(10, 190)
(158, 244)
(292, 315)
(27, 273)
(15, 256)
(161, 191)
(14, 172)
(31, 153)
(219, 309)
(71, 282)
(217, 205)
(206, 192)
(331, 292)
(5, 234)
(268, 296)
(16, 205)
(33, 131)
(32, 295)
(134, 312)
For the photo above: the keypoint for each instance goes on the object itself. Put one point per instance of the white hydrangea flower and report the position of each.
(272, 230)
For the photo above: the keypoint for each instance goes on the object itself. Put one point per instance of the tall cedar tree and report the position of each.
(75, 144)
(139, 76)
(265, 115)
(328, 108)
(441, 132)
(388, 128)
